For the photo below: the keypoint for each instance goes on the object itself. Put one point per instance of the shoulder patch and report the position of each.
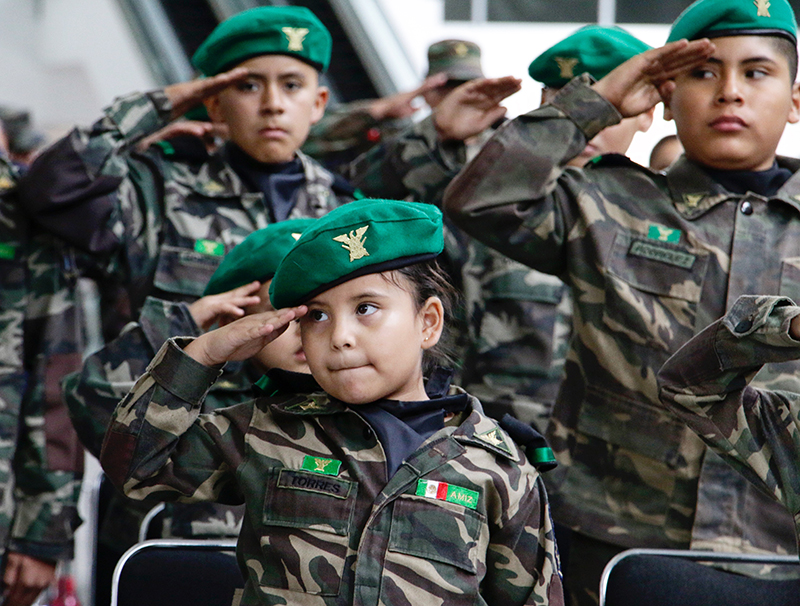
(496, 438)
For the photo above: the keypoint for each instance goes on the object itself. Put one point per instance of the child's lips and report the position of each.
(728, 124)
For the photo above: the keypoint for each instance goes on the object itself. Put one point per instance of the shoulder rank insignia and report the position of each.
(328, 467)
(692, 200)
(308, 405)
(494, 437)
(567, 66)
(212, 187)
(354, 243)
(295, 37)
(763, 8)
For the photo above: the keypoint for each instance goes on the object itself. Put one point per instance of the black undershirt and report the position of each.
(763, 182)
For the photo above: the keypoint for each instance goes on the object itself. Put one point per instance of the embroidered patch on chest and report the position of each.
(663, 254)
(663, 234)
(209, 247)
(311, 482)
(328, 467)
(442, 491)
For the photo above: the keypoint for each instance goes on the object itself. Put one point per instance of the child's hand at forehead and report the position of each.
(243, 338)
(641, 82)
(224, 307)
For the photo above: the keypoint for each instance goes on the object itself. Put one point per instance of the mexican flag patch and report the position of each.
(442, 491)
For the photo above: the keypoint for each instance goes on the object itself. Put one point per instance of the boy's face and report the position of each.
(270, 113)
(731, 111)
(364, 340)
(285, 352)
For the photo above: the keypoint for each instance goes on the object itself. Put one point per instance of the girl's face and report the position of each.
(285, 352)
(364, 339)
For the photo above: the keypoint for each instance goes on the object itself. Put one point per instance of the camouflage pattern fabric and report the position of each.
(520, 321)
(464, 520)
(107, 376)
(651, 259)
(707, 385)
(40, 336)
(156, 224)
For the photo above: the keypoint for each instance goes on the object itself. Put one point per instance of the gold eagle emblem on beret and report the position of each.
(567, 66)
(295, 37)
(763, 8)
(353, 242)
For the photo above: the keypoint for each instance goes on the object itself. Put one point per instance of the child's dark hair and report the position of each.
(785, 47)
(430, 280)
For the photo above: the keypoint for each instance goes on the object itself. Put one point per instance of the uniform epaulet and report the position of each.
(536, 449)
(613, 161)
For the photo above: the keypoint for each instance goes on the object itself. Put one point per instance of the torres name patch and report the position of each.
(442, 491)
(304, 480)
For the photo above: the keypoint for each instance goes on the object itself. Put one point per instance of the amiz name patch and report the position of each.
(442, 491)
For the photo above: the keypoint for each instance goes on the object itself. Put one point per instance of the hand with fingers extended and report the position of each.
(210, 133)
(473, 107)
(400, 105)
(641, 82)
(186, 95)
(224, 307)
(243, 338)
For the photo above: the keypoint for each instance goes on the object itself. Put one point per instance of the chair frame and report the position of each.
(696, 556)
(199, 544)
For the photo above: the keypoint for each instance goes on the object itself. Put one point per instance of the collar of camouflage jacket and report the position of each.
(694, 192)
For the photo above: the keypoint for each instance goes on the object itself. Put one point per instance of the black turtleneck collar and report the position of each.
(762, 182)
(278, 182)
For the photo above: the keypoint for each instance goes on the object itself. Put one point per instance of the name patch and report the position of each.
(310, 482)
(670, 256)
(442, 491)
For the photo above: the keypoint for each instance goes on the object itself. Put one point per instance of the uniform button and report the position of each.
(747, 208)
(744, 326)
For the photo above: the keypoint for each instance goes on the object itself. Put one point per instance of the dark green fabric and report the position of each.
(715, 18)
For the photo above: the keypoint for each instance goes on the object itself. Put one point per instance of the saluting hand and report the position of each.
(224, 307)
(642, 81)
(473, 107)
(243, 338)
(186, 95)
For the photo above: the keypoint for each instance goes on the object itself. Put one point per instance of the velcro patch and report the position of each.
(442, 491)
(328, 467)
(663, 254)
(209, 247)
(312, 482)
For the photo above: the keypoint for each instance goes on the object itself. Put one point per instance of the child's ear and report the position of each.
(645, 120)
(665, 90)
(432, 316)
(794, 112)
(319, 104)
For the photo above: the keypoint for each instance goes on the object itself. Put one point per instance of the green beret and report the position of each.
(716, 18)
(362, 237)
(459, 59)
(266, 30)
(595, 49)
(257, 257)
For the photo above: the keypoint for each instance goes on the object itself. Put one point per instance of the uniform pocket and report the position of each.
(306, 531)
(183, 271)
(652, 291)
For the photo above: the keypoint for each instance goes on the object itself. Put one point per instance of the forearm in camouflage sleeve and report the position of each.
(413, 164)
(72, 188)
(522, 562)
(159, 414)
(705, 383)
(512, 195)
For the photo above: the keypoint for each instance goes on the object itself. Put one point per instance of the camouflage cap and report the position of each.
(594, 49)
(459, 59)
(257, 257)
(716, 18)
(364, 237)
(266, 30)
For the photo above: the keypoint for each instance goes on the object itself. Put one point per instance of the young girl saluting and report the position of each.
(380, 488)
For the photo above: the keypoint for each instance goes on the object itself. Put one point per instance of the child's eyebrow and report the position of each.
(757, 59)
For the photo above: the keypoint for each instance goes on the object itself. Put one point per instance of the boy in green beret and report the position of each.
(379, 487)
(651, 259)
(239, 287)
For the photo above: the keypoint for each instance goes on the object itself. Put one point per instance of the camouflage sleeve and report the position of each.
(48, 463)
(414, 164)
(513, 194)
(705, 383)
(109, 374)
(522, 564)
(159, 445)
(75, 186)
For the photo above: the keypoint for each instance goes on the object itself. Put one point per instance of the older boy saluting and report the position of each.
(651, 260)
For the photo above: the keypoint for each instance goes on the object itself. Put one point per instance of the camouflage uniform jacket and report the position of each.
(323, 523)
(39, 332)
(706, 383)
(651, 259)
(107, 376)
(159, 226)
